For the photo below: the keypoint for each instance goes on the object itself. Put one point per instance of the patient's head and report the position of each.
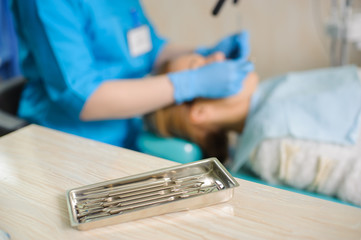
(205, 122)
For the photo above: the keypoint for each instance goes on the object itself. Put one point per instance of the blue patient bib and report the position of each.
(320, 105)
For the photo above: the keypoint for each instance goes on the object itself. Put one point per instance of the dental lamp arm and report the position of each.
(219, 5)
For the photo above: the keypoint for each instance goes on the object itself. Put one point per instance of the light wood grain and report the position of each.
(38, 165)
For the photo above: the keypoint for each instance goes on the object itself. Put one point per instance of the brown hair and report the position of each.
(174, 121)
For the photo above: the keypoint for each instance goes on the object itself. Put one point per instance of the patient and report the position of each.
(299, 129)
(205, 122)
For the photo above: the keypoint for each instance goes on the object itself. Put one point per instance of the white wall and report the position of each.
(286, 35)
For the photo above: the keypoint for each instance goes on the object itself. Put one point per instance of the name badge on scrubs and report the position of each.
(139, 41)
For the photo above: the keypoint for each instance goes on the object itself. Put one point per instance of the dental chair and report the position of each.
(174, 149)
(10, 92)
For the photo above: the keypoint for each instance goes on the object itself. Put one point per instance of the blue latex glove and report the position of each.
(234, 47)
(216, 80)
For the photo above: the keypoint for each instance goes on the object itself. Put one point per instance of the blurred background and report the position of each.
(286, 35)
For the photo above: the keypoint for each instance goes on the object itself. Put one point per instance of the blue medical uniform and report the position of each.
(70, 47)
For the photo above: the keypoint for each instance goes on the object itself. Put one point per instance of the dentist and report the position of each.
(88, 66)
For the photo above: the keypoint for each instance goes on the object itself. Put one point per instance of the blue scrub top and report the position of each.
(67, 49)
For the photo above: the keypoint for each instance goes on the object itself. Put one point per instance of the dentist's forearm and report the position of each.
(128, 98)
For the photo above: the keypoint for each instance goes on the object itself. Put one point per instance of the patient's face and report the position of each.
(204, 121)
(216, 114)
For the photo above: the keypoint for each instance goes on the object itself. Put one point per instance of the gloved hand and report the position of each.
(216, 80)
(234, 47)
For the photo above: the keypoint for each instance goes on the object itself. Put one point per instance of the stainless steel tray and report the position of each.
(183, 187)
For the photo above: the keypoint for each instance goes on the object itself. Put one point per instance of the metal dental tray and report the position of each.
(183, 187)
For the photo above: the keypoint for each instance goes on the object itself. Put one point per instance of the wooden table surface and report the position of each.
(38, 165)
